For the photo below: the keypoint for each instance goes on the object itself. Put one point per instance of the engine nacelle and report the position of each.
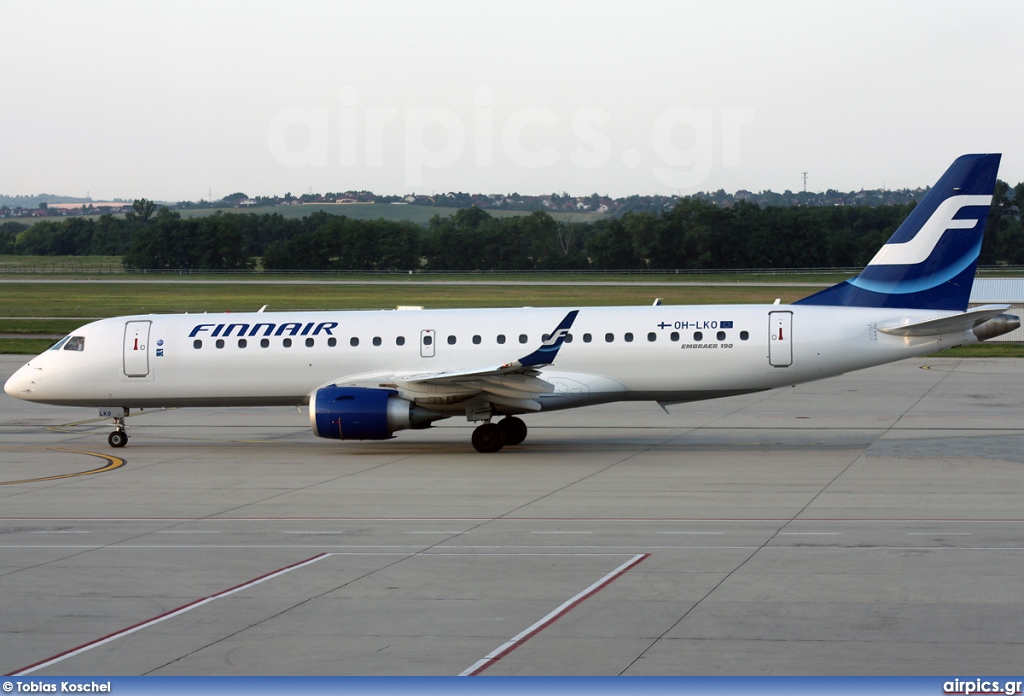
(997, 326)
(360, 413)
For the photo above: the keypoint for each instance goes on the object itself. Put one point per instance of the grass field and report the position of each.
(109, 267)
(419, 214)
(70, 266)
(984, 350)
(77, 304)
(43, 300)
(58, 308)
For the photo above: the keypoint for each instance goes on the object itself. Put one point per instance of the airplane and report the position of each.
(368, 374)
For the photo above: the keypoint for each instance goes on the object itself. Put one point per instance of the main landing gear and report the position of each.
(491, 437)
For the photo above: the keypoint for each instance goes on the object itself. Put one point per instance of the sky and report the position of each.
(180, 100)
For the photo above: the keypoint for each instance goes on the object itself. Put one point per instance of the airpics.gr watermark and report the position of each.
(682, 139)
(979, 685)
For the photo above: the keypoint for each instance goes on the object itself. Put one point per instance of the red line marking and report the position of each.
(166, 615)
(506, 648)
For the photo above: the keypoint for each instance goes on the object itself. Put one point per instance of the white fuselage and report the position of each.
(659, 353)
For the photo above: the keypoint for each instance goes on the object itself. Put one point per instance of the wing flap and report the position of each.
(520, 404)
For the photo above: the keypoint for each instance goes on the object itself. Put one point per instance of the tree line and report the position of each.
(695, 234)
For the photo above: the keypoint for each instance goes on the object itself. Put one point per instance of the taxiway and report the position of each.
(868, 524)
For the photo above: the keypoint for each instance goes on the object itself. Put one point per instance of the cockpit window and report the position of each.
(58, 344)
(75, 343)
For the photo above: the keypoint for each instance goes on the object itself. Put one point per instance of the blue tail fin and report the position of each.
(929, 262)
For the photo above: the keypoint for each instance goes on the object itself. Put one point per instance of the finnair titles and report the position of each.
(368, 374)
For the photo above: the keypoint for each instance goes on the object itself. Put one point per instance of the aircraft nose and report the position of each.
(19, 385)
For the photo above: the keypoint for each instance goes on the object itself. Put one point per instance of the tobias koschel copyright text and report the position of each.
(63, 687)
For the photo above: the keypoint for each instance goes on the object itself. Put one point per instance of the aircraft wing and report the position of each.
(513, 384)
(945, 325)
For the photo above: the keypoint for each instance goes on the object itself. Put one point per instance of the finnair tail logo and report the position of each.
(556, 338)
(918, 249)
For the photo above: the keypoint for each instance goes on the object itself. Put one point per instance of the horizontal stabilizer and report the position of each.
(946, 325)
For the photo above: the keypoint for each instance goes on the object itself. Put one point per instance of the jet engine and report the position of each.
(361, 413)
(997, 326)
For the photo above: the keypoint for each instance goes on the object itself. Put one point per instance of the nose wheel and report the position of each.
(118, 438)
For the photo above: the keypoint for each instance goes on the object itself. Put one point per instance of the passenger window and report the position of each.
(476, 340)
(355, 341)
(332, 341)
(376, 340)
(652, 337)
(220, 342)
(75, 343)
(264, 343)
(451, 340)
(721, 336)
(744, 335)
(287, 343)
(568, 338)
(501, 339)
(428, 340)
(628, 337)
(674, 336)
(400, 341)
(242, 343)
(609, 337)
(310, 342)
(587, 338)
(197, 344)
(523, 338)
(698, 336)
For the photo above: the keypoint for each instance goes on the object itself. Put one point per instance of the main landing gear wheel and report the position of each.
(514, 430)
(488, 438)
(118, 438)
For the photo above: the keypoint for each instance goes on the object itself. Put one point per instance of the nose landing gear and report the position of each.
(118, 438)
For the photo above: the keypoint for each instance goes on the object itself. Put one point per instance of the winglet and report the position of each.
(545, 355)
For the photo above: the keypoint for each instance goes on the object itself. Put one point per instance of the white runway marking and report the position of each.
(521, 638)
(561, 532)
(567, 606)
(186, 531)
(452, 532)
(69, 532)
(163, 617)
(693, 533)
